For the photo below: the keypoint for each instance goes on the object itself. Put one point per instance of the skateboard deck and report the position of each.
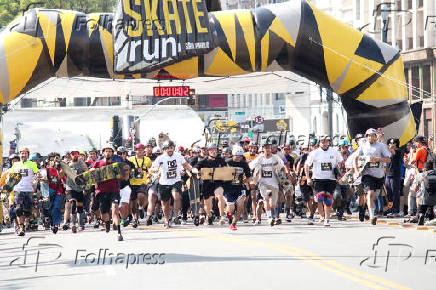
(221, 173)
(67, 170)
(348, 178)
(14, 179)
(283, 180)
(194, 194)
(112, 171)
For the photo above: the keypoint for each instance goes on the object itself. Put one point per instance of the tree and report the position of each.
(10, 9)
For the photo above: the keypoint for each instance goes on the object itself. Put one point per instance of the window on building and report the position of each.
(406, 75)
(421, 41)
(82, 102)
(62, 102)
(337, 124)
(28, 103)
(315, 127)
(426, 81)
(410, 43)
(409, 4)
(428, 123)
(415, 83)
(357, 9)
(398, 5)
(420, 3)
(400, 45)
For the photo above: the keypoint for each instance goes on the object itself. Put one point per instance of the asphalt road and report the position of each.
(348, 255)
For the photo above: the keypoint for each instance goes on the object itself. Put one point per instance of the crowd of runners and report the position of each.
(391, 182)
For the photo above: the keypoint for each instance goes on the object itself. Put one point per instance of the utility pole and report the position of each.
(330, 110)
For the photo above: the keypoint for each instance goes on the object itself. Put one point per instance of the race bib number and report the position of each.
(53, 179)
(139, 174)
(24, 172)
(266, 174)
(374, 165)
(326, 166)
(171, 174)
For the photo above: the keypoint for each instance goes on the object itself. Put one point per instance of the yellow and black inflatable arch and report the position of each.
(368, 75)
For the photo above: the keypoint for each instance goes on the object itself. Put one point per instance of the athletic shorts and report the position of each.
(233, 195)
(125, 194)
(152, 189)
(209, 188)
(77, 195)
(137, 189)
(324, 185)
(24, 202)
(372, 183)
(306, 192)
(269, 190)
(165, 191)
(106, 199)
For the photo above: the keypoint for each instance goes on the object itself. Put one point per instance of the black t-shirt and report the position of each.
(244, 165)
(152, 157)
(394, 167)
(210, 163)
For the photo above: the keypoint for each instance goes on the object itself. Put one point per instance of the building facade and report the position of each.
(412, 29)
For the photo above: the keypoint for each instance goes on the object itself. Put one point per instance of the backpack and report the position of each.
(430, 182)
(431, 157)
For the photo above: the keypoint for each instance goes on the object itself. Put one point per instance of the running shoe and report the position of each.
(271, 222)
(74, 229)
(135, 224)
(310, 221)
(288, 218)
(278, 221)
(120, 238)
(149, 221)
(141, 213)
(233, 227)
(374, 221)
(55, 229)
(222, 221)
(65, 227)
(326, 223)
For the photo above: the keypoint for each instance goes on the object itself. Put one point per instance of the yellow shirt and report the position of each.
(143, 163)
(249, 157)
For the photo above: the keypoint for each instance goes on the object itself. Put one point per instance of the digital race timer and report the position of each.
(175, 91)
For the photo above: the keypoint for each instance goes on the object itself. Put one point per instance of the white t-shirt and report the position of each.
(27, 169)
(349, 163)
(170, 168)
(323, 163)
(379, 150)
(267, 167)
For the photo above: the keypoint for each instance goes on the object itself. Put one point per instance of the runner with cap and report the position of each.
(169, 166)
(74, 194)
(138, 183)
(108, 193)
(153, 196)
(212, 187)
(373, 173)
(249, 156)
(24, 189)
(235, 191)
(324, 161)
(264, 167)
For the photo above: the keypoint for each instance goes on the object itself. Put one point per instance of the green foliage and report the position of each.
(10, 9)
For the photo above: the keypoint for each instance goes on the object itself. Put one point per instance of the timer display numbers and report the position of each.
(174, 91)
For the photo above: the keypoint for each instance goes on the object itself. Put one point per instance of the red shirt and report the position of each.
(110, 185)
(420, 157)
(54, 181)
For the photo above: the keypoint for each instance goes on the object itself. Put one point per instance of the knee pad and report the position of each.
(80, 209)
(73, 207)
(328, 200)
